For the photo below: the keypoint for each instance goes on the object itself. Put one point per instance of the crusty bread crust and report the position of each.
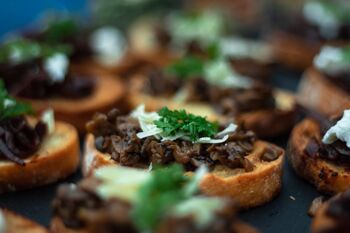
(17, 224)
(265, 123)
(57, 226)
(321, 221)
(57, 158)
(326, 176)
(108, 94)
(293, 51)
(320, 94)
(250, 189)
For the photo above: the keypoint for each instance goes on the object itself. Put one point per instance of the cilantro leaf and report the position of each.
(164, 190)
(180, 122)
(9, 107)
(186, 67)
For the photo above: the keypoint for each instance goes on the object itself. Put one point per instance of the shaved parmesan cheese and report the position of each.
(203, 209)
(120, 182)
(341, 131)
(146, 121)
(192, 186)
(316, 13)
(331, 61)
(221, 74)
(240, 48)
(48, 117)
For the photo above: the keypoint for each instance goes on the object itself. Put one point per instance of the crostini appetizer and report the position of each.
(320, 22)
(93, 50)
(133, 200)
(319, 152)
(333, 215)
(241, 166)
(325, 87)
(198, 33)
(178, 33)
(213, 88)
(14, 223)
(40, 74)
(33, 152)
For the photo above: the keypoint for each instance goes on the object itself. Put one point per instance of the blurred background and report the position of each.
(19, 14)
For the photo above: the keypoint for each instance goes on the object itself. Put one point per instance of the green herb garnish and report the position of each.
(214, 51)
(166, 188)
(9, 107)
(22, 50)
(337, 9)
(58, 30)
(180, 122)
(346, 53)
(186, 67)
(19, 50)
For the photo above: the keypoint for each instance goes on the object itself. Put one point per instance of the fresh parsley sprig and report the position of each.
(165, 189)
(9, 107)
(180, 122)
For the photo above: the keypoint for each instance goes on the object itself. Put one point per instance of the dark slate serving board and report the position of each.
(287, 213)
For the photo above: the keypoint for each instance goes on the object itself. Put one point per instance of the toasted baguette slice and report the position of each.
(108, 93)
(293, 51)
(91, 66)
(250, 189)
(265, 123)
(57, 226)
(14, 223)
(328, 177)
(57, 158)
(318, 93)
